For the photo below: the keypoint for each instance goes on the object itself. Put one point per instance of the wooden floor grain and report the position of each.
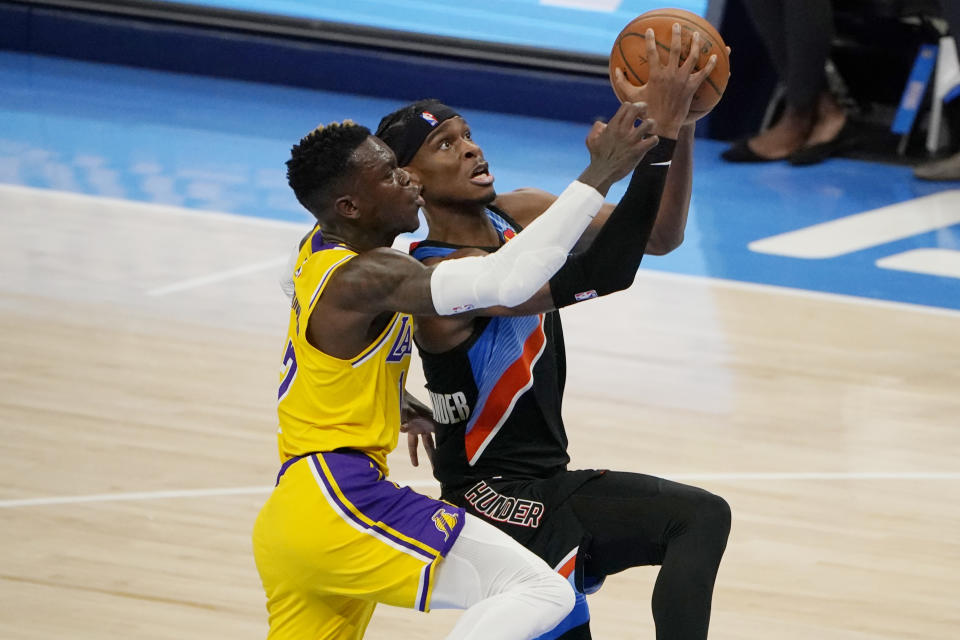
(139, 350)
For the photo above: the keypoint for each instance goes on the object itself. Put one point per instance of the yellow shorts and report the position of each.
(335, 538)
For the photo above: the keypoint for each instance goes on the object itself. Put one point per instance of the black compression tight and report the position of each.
(637, 520)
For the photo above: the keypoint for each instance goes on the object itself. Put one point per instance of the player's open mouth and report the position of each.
(481, 175)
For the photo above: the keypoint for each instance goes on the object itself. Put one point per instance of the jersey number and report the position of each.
(288, 371)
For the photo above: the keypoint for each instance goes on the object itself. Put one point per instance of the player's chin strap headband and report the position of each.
(406, 136)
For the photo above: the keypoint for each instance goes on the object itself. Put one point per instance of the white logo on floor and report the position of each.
(873, 228)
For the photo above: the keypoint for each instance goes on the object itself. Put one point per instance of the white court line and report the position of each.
(427, 484)
(138, 206)
(219, 276)
(157, 495)
(809, 294)
(934, 262)
(140, 495)
(822, 475)
(234, 219)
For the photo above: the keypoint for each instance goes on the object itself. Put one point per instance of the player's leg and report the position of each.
(507, 591)
(296, 614)
(335, 538)
(576, 626)
(283, 538)
(636, 520)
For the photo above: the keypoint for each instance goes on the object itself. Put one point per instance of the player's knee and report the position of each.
(559, 591)
(713, 516)
(547, 584)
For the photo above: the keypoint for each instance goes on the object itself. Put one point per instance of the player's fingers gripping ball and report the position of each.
(630, 52)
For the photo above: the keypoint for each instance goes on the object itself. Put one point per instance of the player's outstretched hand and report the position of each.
(419, 429)
(670, 87)
(617, 146)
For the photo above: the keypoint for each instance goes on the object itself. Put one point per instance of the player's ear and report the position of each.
(346, 207)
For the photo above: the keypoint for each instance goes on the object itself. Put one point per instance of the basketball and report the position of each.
(630, 52)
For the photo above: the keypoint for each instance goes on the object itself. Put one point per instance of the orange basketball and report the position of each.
(630, 52)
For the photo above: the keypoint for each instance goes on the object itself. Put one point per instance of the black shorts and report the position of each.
(536, 513)
(615, 520)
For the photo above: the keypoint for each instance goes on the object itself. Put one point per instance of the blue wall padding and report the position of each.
(304, 63)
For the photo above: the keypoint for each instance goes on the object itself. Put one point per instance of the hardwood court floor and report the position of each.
(139, 350)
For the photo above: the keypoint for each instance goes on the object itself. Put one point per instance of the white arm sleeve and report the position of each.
(286, 278)
(519, 268)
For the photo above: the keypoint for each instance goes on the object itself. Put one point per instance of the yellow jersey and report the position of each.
(326, 403)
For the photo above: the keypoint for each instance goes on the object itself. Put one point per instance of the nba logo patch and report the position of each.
(430, 118)
(585, 295)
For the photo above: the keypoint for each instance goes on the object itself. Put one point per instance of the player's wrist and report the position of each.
(660, 155)
(598, 178)
(667, 128)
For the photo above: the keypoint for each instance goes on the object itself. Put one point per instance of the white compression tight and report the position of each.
(508, 592)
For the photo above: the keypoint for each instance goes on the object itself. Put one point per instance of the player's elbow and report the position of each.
(616, 282)
(662, 244)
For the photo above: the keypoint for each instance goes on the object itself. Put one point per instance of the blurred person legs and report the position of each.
(797, 36)
(945, 169)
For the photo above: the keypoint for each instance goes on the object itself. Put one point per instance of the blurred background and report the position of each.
(798, 353)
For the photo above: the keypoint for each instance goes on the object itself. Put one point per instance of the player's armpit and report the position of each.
(525, 205)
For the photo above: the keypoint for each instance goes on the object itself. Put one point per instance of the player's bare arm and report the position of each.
(609, 146)
(417, 423)
(668, 93)
(362, 296)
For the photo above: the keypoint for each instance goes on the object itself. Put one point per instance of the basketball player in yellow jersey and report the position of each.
(336, 537)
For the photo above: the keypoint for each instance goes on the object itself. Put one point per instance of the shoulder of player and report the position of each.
(526, 204)
(371, 272)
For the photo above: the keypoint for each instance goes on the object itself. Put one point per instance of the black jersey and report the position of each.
(496, 397)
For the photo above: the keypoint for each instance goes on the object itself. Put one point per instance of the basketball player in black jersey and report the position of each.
(496, 376)
(344, 370)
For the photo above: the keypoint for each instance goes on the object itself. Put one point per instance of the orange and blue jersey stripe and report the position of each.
(508, 351)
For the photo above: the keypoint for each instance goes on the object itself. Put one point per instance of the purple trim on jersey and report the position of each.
(345, 510)
(399, 508)
(317, 243)
(373, 348)
(424, 590)
(499, 346)
(286, 465)
(326, 276)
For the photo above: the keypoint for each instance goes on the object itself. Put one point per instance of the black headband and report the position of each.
(405, 135)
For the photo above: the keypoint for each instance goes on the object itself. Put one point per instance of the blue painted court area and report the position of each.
(584, 26)
(220, 145)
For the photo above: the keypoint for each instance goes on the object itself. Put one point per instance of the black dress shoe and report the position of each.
(740, 151)
(817, 153)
